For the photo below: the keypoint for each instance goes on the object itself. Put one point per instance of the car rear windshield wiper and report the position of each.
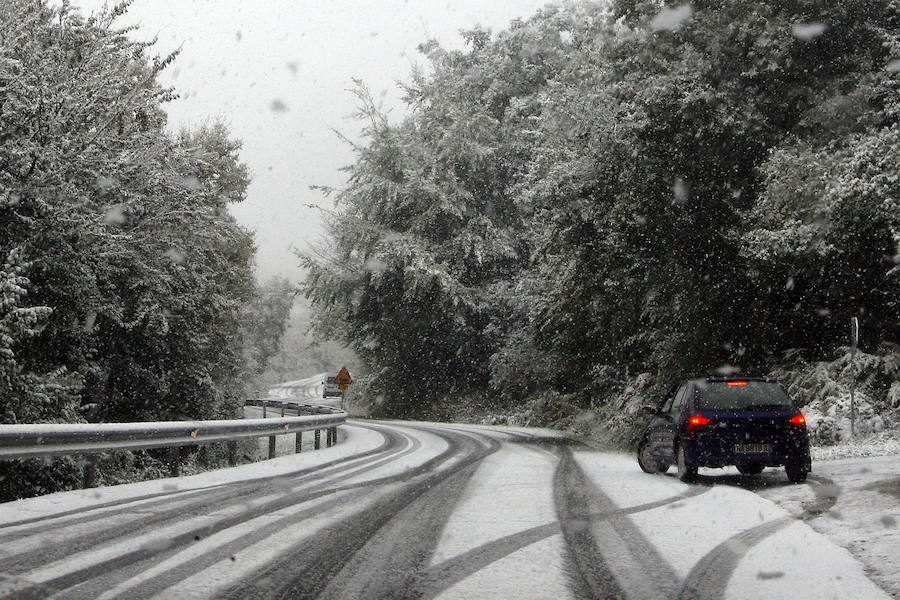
(766, 406)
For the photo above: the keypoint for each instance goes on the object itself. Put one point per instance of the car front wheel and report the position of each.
(686, 472)
(646, 460)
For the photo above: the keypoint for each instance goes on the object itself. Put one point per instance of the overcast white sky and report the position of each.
(238, 57)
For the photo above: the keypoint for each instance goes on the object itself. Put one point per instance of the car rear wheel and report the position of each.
(751, 469)
(646, 460)
(796, 472)
(686, 472)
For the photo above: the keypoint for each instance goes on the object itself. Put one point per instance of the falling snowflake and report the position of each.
(105, 183)
(89, 322)
(680, 189)
(278, 106)
(374, 265)
(808, 31)
(189, 183)
(176, 256)
(115, 215)
(671, 19)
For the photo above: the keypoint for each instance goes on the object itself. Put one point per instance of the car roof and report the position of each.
(719, 378)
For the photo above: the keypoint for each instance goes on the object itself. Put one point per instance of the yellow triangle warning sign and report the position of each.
(342, 379)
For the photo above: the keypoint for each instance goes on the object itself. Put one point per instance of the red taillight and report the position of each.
(736, 383)
(798, 420)
(697, 421)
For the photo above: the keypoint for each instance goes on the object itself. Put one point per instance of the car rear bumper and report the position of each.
(711, 451)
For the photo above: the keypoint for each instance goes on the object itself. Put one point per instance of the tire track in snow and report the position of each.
(101, 576)
(450, 572)
(709, 577)
(198, 506)
(611, 558)
(146, 587)
(827, 493)
(162, 498)
(305, 571)
(389, 566)
(148, 551)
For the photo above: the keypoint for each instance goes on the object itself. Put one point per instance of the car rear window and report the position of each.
(747, 395)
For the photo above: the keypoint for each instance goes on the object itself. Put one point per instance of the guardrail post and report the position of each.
(317, 443)
(333, 436)
(271, 446)
(175, 461)
(232, 453)
(264, 409)
(282, 410)
(89, 471)
(299, 442)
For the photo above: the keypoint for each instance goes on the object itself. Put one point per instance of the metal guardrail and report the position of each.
(301, 408)
(24, 441)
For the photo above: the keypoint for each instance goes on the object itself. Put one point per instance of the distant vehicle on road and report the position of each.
(331, 389)
(747, 422)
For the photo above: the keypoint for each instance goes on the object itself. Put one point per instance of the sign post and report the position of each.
(854, 343)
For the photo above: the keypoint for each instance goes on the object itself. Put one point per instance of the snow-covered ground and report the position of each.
(855, 502)
(516, 513)
(729, 541)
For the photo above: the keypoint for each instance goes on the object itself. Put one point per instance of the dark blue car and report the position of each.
(747, 422)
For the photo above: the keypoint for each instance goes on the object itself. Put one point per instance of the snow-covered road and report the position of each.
(421, 510)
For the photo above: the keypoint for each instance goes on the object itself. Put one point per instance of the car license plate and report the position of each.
(752, 448)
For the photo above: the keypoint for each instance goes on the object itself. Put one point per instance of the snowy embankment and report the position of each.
(885, 443)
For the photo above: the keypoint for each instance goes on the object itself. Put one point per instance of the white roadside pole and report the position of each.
(854, 342)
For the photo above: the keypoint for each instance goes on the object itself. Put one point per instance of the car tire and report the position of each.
(686, 472)
(796, 472)
(751, 469)
(646, 461)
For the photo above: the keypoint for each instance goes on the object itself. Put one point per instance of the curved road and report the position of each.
(422, 510)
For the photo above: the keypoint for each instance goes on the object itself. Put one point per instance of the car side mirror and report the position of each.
(650, 410)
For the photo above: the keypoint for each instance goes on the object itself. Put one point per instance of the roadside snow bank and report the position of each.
(884, 443)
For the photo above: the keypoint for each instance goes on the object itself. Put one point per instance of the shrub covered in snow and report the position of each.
(823, 389)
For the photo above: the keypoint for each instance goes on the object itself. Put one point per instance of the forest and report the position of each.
(605, 197)
(572, 213)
